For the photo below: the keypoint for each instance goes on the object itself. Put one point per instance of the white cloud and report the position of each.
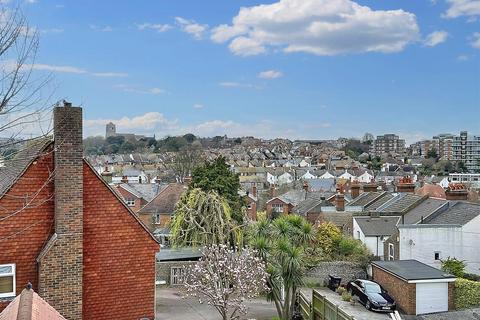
(191, 27)
(198, 106)
(458, 8)
(59, 6)
(232, 84)
(148, 123)
(110, 74)
(31, 1)
(154, 26)
(322, 27)
(10, 64)
(435, 38)
(475, 40)
(270, 74)
(134, 89)
(102, 29)
(52, 30)
(156, 123)
(463, 57)
(53, 68)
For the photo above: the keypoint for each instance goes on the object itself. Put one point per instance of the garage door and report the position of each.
(432, 297)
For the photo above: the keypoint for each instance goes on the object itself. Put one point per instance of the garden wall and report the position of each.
(344, 269)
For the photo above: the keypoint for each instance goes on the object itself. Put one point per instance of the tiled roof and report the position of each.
(431, 190)
(147, 191)
(366, 198)
(311, 204)
(381, 226)
(401, 203)
(15, 167)
(459, 213)
(164, 202)
(423, 210)
(28, 305)
(379, 201)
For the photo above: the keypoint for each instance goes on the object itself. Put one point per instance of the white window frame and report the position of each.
(157, 218)
(177, 275)
(130, 202)
(10, 274)
(391, 252)
(277, 208)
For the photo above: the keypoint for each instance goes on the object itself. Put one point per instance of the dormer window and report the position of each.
(7, 280)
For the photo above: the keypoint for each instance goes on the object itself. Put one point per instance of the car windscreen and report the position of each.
(372, 288)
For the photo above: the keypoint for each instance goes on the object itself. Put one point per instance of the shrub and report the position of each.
(467, 294)
(454, 266)
(341, 290)
(346, 296)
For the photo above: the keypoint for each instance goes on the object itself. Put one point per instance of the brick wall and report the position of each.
(404, 293)
(23, 235)
(119, 257)
(148, 220)
(61, 268)
(286, 207)
(396, 245)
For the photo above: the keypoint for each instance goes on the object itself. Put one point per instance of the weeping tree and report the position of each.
(284, 244)
(204, 218)
(226, 278)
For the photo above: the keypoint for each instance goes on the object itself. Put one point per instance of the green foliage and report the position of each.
(346, 296)
(327, 236)
(340, 290)
(284, 245)
(467, 294)
(189, 137)
(432, 153)
(454, 266)
(217, 176)
(204, 218)
(461, 167)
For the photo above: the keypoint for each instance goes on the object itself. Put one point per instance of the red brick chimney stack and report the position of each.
(406, 185)
(61, 262)
(355, 189)
(254, 191)
(456, 191)
(372, 186)
(340, 202)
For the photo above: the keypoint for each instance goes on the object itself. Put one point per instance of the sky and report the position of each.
(309, 69)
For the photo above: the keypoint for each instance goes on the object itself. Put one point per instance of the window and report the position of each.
(277, 207)
(7, 280)
(177, 275)
(391, 251)
(437, 255)
(358, 234)
(156, 218)
(130, 202)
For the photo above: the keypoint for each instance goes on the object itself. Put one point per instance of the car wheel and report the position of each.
(368, 305)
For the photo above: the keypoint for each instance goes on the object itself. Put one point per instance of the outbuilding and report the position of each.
(416, 287)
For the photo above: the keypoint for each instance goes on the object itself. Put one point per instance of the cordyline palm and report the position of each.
(282, 244)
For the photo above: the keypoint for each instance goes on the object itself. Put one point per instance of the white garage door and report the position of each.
(432, 297)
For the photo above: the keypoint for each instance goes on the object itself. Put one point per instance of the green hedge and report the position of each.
(467, 293)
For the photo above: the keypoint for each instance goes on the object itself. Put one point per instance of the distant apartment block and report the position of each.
(442, 144)
(466, 148)
(388, 144)
(471, 179)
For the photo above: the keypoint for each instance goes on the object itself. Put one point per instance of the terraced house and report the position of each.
(65, 231)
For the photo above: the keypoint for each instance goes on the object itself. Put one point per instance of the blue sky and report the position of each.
(291, 68)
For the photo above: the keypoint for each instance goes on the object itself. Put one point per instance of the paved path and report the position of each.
(171, 305)
(357, 310)
(470, 314)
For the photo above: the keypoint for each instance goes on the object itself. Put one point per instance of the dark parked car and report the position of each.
(372, 295)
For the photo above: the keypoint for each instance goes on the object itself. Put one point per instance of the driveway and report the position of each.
(172, 305)
(358, 310)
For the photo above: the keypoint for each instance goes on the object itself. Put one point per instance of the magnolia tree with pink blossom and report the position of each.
(226, 279)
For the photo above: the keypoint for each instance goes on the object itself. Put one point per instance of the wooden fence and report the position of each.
(320, 308)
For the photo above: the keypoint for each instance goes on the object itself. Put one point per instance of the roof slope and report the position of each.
(423, 210)
(28, 305)
(16, 166)
(459, 213)
(412, 270)
(382, 226)
(366, 198)
(401, 203)
(147, 191)
(165, 201)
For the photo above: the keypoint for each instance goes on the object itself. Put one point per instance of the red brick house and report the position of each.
(137, 195)
(63, 229)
